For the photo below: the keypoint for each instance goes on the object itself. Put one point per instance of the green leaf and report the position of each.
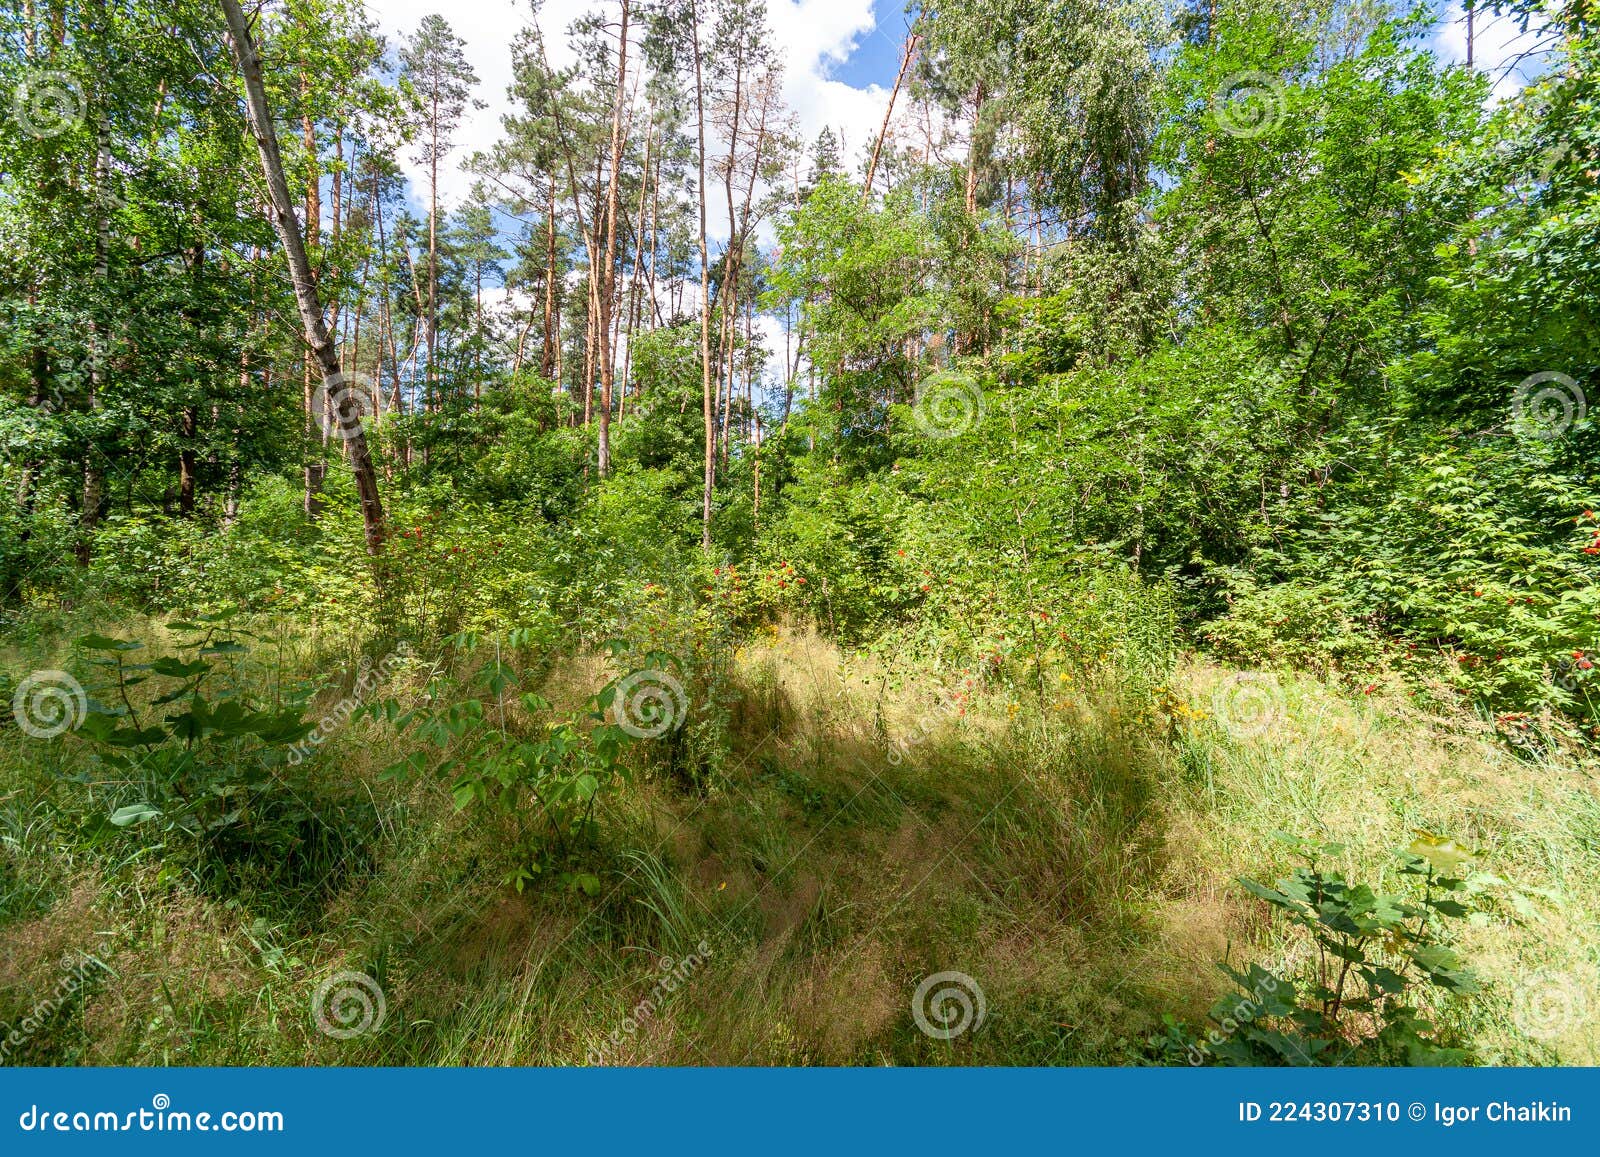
(178, 669)
(136, 813)
(413, 764)
(1387, 981)
(1443, 968)
(102, 643)
(1270, 895)
(1445, 854)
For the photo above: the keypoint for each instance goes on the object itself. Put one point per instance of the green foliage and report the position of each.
(192, 766)
(844, 538)
(193, 771)
(498, 753)
(873, 281)
(1061, 92)
(1358, 1000)
(1307, 625)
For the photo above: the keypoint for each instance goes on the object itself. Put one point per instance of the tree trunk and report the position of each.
(707, 399)
(638, 262)
(727, 298)
(655, 224)
(433, 258)
(188, 463)
(547, 360)
(305, 290)
(608, 271)
(315, 468)
(972, 150)
(93, 478)
(900, 79)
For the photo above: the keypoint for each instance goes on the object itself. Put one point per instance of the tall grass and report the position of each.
(859, 834)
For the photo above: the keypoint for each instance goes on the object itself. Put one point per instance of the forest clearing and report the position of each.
(1026, 534)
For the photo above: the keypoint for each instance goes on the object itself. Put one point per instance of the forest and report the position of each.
(1094, 563)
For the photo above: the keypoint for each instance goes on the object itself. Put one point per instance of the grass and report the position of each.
(858, 835)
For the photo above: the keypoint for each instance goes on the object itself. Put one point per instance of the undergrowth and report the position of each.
(866, 825)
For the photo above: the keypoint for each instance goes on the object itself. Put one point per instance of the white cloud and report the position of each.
(488, 28)
(811, 36)
(1498, 45)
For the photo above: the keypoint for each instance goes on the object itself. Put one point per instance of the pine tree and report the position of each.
(434, 63)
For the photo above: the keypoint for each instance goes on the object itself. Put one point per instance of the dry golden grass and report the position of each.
(1368, 774)
(1080, 865)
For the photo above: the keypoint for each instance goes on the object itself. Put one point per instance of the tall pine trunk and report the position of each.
(708, 399)
(608, 271)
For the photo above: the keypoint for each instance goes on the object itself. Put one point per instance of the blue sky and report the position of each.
(840, 57)
(876, 58)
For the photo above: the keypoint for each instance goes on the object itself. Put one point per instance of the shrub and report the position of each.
(1372, 958)
(188, 761)
(541, 777)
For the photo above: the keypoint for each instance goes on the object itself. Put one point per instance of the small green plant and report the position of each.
(498, 752)
(1373, 957)
(195, 768)
(186, 759)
